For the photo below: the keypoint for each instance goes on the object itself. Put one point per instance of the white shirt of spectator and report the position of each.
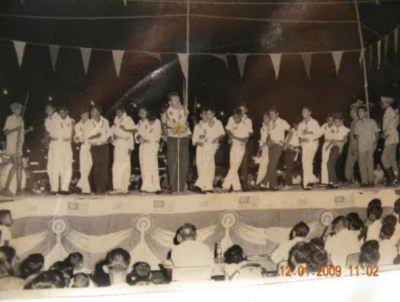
(127, 122)
(192, 253)
(277, 130)
(374, 231)
(149, 132)
(13, 122)
(309, 131)
(390, 125)
(341, 245)
(240, 130)
(281, 253)
(245, 120)
(173, 117)
(103, 128)
(387, 251)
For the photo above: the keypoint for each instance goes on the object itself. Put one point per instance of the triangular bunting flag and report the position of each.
(156, 55)
(396, 39)
(386, 47)
(86, 53)
(117, 56)
(184, 61)
(223, 58)
(54, 50)
(241, 59)
(20, 50)
(307, 57)
(337, 58)
(276, 63)
(379, 54)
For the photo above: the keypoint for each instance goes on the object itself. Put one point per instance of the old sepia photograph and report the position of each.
(147, 145)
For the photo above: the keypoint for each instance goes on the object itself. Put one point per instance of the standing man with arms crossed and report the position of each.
(176, 132)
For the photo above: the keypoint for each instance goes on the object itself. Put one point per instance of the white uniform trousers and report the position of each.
(307, 158)
(324, 164)
(59, 165)
(262, 169)
(205, 162)
(121, 169)
(85, 166)
(236, 157)
(148, 157)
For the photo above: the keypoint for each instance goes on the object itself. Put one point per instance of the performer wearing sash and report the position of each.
(14, 129)
(327, 131)
(98, 140)
(176, 132)
(206, 136)
(148, 136)
(264, 135)
(82, 132)
(51, 124)
(309, 132)
(122, 138)
(391, 136)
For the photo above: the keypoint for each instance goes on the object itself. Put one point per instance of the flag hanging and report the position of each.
(20, 50)
(86, 53)
(54, 50)
(241, 59)
(223, 58)
(307, 57)
(117, 57)
(276, 63)
(337, 58)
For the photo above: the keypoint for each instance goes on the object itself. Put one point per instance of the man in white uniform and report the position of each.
(309, 133)
(51, 122)
(262, 169)
(327, 130)
(82, 132)
(206, 136)
(122, 138)
(391, 136)
(239, 133)
(148, 136)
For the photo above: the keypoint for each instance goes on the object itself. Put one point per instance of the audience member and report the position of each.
(387, 249)
(299, 254)
(317, 259)
(373, 224)
(31, 267)
(117, 267)
(9, 270)
(47, 280)
(6, 221)
(80, 280)
(369, 254)
(77, 262)
(238, 268)
(65, 268)
(140, 275)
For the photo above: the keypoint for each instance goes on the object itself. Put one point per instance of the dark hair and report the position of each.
(300, 253)
(362, 107)
(120, 108)
(307, 107)
(151, 116)
(47, 280)
(234, 254)
(371, 257)
(51, 105)
(7, 255)
(209, 109)
(397, 206)
(237, 111)
(4, 213)
(318, 242)
(297, 121)
(354, 221)
(83, 277)
(273, 109)
(338, 116)
(387, 231)
(316, 259)
(32, 265)
(118, 259)
(8, 252)
(370, 245)
(64, 267)
(187, 231)
(299, 230)
(74, 258)
(375, 202)
(330, 115)
(375, 210)
(141, 271)
(98, 108)
(390, 219)
(172, 94)
(62, 107)
(340, 220)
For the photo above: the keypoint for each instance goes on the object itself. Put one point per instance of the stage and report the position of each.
(146, 225)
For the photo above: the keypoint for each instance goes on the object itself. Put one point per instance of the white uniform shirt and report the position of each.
(374, 231)
(309, 131)
(341, 245)
(13, 122)
(281, 253)
(64, 128)
(127, 122)
(83, 131)
(387, 251)
(50, 124)
(277, 130)
(192, 253)
(5, 235)
(245, 120)
(339, 134)
(327, 132)
(390, 124)
(295, 140)
(103, 128)
(149, 132)
(263, 134)
(240, 130)
(175, 120)
(200, 130)
(214, 131)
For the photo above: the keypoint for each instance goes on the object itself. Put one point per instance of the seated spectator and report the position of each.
(237, 267)
(317, 259)
(387, 249)
(297, 234)
(373, 224)
(318, 242)
(396, 236)
(47, 280)
(355, 223)
(341, 242)
(6, 222)
(65, 268)
(389, 220)
(81, 280)
(299, 254)
(379, 175)
(31, 267)
(372, 245)
(117, 264)
(369, 254)
(77, 262)
(375, 202)
(189, 252)
(141, 273)
(9, 270)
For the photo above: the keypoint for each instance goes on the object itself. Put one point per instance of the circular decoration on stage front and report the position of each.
(326, 217)
(59, 226)
(144, 224)
(229, 219)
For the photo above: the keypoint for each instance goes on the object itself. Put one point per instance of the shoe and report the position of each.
(159, 192)
(323, 185)
(209, 191)
(53, 193)
(287, 188)
(307, 188)
(275, 189)
(65, 193)
(332, 187)
(7, 192)
(197, 190)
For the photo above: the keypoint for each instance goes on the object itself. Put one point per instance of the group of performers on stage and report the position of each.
(94, 134)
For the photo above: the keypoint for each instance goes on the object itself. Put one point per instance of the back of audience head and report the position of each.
(317, 258)
(397, 206)
(47, 280)
(234, 255)
(76, 260)
(80, 280)
(299, 230)
(369, 258)
(390, 219)
(118, 260)
(318, 242)
(6, 217)
(340, 223)
(187, 232)
(387, 231)
(32, 265)
(374, 212)
(375, 202)
(65, 268)
(370, 245)
(9, 262)
(354, 221)
(141, 272)
(299, 253)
